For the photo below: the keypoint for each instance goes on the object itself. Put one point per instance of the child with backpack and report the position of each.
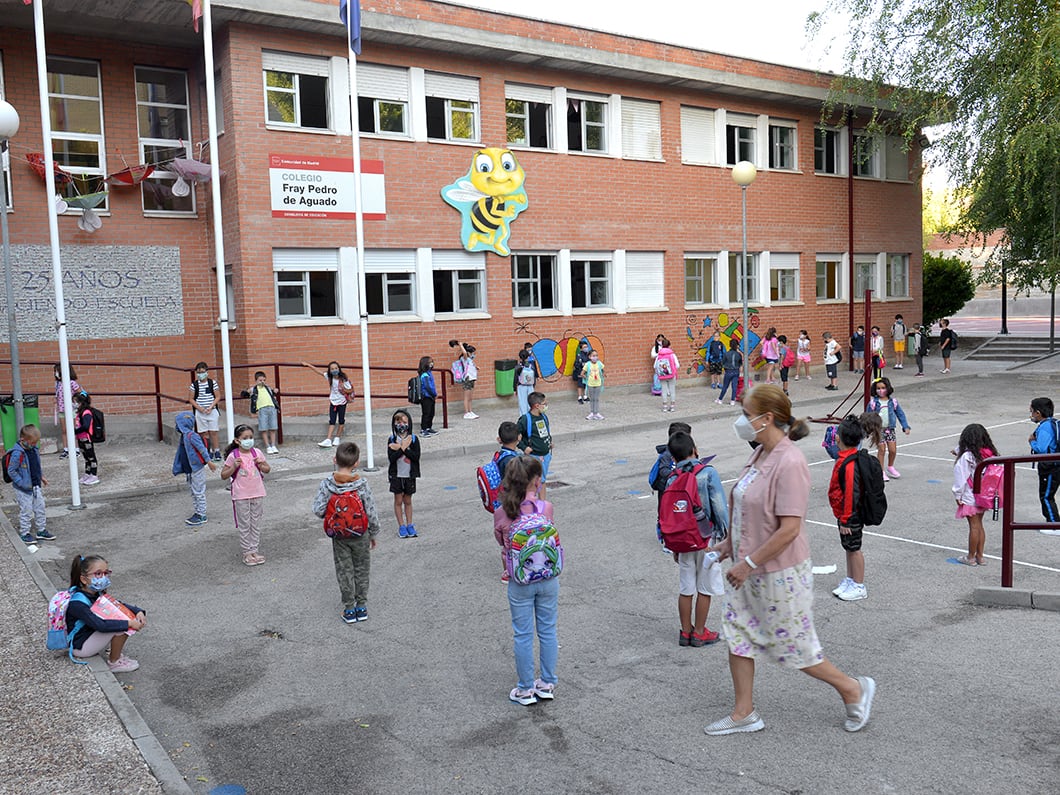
(770, 352)
(1046, 439)
(664, 462)
(84, 431)
(578, 372)
(693, 516)
(344, 501)
(803, 355)
(975, 444)
(832, 357)
(787, 359)
(857, 349)
(536, 435)
(715, 353)
(731, 364)
(855, 489)
(428, 393)
(245, 464)
(491, 477)
(205, 395)
(340, 394)
(90, 634)
(525, 378)
(191, 460)
(403, 452)
(60, 406)
(593, 376)
(920, 348)
(465, 373)
(22, 468)
(666, 365)
(534, 561)
(265, 405)
(891, 414)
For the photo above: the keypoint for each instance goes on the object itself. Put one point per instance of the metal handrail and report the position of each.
(1008, 493)
(159, 396)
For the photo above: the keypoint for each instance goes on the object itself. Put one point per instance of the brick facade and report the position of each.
(578, 202)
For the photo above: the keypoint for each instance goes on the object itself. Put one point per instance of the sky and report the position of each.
(775, 33)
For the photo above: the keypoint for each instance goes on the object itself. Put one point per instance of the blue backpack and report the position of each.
(59, 637)
(831, 443)
(488, 476)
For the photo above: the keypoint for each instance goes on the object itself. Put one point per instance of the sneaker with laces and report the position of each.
(324, 443)
(706, 639)
(195, 520)
(65, 453)
(732, 402)
(684, 638)
(918, 375)
(854, 592)
(410, 531)
(718, 401)
(27, 538)
(122, 665)
(471, 416)
(90, 480)
(846, 583)
(544, 690)
(599, 416)
(349, 616)
(524, 697)
(44, 535)
(361, 612)
(403, 531)
(894, 473)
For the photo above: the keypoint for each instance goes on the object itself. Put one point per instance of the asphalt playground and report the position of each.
(250, 679)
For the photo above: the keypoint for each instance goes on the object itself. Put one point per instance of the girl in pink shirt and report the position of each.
(245, 464)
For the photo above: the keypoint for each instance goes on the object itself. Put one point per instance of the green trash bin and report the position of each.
(504, 376)
(7, 416)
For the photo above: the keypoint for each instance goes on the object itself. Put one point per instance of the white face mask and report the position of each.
(745, 430)
(247, 444)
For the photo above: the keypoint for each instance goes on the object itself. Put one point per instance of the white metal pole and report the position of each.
(9, 291)
(218, 228)
(743, 288)
(53, 238)
(362, 302)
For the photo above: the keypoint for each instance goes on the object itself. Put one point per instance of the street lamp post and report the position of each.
(743, 174)
(8, 128)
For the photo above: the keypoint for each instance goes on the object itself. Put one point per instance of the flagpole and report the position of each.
(53, 239)
(218, 228)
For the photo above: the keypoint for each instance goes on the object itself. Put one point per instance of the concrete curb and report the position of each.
(996, 596)
(136, 727)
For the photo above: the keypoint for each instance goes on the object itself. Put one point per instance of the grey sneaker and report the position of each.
(752, 723)
(858, 713)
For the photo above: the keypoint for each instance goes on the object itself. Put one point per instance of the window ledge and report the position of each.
(528, 148)
(294, 322)
(518, 313)
(697, 307)
(647, 309)
(634, 159)
(170, 214)
(594, 310)
(294, 129)
(475, 144)
(829, 174)
(462, 316)
(378, 136)
(408, 317)
(783, 171)
(588, 154)
(831, 301)
(788, 303)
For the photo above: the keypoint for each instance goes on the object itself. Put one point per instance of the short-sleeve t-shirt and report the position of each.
(201, 392)
(264, 401)
(338, 398)
(594, 373)
(247, 483)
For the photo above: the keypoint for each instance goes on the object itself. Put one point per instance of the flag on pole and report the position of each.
(353, 22)
(196, 13)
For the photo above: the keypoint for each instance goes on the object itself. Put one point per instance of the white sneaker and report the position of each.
(1050, 532)
(471, 416)
(854, 593)
(847, 582)
(886, 479)
(324, 443)
(272, 450)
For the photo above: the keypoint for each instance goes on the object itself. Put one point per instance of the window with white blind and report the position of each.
(782, 145)
(751, 282)
(459, 279)
(829, 277)
(698, 136)
(641, 131)
(528, 115)
(390, 281)
(701, 279)
(741, 138)
(75, 102)
(533, 281)
(587, 120)
(383, 99)
(896, 282)
(644, 280)
(864, 275)
(296, 90)
(452, 106)
(306, 282)
(590, 281)
(783, 277)
(896, 158)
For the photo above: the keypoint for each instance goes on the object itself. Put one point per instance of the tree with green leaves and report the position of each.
(988, 72)
(948, 286)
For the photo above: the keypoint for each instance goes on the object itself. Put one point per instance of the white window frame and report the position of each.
(458, 264)
(584, 123)
(867, 166)
(587, 260)
(99, 172)
(901, 278)
(866, 276)
(784, 270)
(181, 145)
(527, 96)
(385, 85)
(287, 260)
(839, 261)
(452, 90)
(735, 293)
(535, 282)
(298, 65)
(749, 137)
(641, 129)
(840, 164)
(776, 147)
(396, 267)
(708, 283)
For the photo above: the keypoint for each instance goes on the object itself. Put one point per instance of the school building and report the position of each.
(628, 223)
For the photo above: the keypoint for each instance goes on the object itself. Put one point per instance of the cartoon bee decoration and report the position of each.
(488, 198)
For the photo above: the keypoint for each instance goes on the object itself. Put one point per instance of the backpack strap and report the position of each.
(78, 626)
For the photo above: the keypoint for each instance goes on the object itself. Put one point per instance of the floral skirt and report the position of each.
(771, 616)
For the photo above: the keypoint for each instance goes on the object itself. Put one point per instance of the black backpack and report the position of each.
(953, 341)
(415, 392)
(99, 426)
(872, 505)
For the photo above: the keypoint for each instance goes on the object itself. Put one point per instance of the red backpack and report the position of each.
(681, 513)
(344, 516)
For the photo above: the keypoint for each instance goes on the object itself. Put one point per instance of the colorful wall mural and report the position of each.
(489, 197)
(699, 332)
(555, 358)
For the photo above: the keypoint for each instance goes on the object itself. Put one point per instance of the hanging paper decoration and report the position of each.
(188, 170)
(129, 176)
(36, 162)
(90, 220)
(60, 205)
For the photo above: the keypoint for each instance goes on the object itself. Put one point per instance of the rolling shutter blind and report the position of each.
(697, 136)
(528, 93)
(641, 136)
(383, 82)
(294, 63)
(392, 260)
(458, 260)
(302, 259)
(783, 261)
(450, 86)
(644, 279)
(897, 159)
